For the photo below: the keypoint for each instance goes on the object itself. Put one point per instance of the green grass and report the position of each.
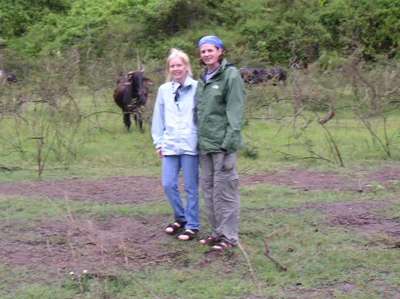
(100, 146)
(17, 208)
(268, 195)
(277, 141)
(318, 256)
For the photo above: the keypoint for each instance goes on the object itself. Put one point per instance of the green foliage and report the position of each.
(162, 18)
(373, 25)
(56, 32)
(330, 60)
(17, 16)
(263, 31)
(292, 26)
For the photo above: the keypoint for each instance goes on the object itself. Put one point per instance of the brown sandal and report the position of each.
(173, 228)
(210, 241)
(188, 234)
(222, 246)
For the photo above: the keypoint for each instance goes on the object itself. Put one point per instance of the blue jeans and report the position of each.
(170, 177)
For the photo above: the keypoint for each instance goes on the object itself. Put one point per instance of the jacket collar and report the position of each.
(220, 70)
(189, 81)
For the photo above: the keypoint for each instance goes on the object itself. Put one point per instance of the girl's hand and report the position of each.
(159, 153)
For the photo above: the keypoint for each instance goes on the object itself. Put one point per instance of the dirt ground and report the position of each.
(100, 245)
(142, 189)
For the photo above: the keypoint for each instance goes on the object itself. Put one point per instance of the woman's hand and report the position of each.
(159, 153)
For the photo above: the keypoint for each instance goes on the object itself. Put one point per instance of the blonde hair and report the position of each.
(176, 53)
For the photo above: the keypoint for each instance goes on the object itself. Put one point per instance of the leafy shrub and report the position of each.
(255, 31)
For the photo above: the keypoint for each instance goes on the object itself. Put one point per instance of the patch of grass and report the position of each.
(319, 258)
(162, 283)
(316, 255)
(16, 208)
(264, 197)
(42, 291)
(100, 146)
(280, 141)
(394, 211)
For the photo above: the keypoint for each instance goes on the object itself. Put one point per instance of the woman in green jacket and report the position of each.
(220, 107)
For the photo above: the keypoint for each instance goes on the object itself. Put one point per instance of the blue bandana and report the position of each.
(211, 39)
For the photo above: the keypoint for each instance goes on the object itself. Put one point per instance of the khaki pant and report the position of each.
(220, 185)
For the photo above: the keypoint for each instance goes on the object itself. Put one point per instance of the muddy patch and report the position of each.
(78, 245)
(361, 216)
(306, 180)
(135, 189)
(112, 189)
(386, 176)
(309, 180)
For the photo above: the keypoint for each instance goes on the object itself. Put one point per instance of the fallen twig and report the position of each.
(267, 254)
(252, 272)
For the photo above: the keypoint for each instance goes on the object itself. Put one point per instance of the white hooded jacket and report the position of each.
(174, 130)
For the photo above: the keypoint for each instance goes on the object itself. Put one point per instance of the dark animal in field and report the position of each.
(7, 77)
(131, 96)
(252, 75)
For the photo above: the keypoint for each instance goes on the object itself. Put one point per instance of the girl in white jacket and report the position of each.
(174, 133)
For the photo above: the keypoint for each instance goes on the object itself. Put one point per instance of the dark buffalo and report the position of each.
(131, 96)
(7, 77)
(252, 75)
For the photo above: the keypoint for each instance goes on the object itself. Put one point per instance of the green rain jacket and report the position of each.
(220, 109)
